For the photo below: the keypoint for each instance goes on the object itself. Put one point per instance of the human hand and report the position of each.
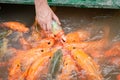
(45, 15)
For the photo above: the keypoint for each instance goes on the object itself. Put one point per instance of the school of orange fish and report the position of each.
(37, 60)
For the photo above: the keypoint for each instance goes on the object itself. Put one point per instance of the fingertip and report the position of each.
(56, 19)
(59, 22)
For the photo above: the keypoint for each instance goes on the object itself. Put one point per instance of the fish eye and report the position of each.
(55, 36)
(49, 43)
(42, 50)
(74, 47)
(49, 57)
(76, 57)
(18, 65)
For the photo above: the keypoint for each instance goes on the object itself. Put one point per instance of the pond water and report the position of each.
(72, 19)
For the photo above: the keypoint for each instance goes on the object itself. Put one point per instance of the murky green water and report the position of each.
(72, 19)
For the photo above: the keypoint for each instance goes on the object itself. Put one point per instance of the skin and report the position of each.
(45, 15)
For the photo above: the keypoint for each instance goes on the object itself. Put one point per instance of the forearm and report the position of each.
(40, 5)
(40, 2)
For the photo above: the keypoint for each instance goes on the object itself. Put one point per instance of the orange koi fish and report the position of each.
(88, 64)
(23, 60)
(77, 36)
(118, 77)
(113, 51)
(94, 48)
(38, 65)
(17, 26)
(69, 69)
(114, 61)
(44, 43)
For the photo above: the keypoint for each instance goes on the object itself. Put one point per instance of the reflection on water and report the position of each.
(72, 19)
